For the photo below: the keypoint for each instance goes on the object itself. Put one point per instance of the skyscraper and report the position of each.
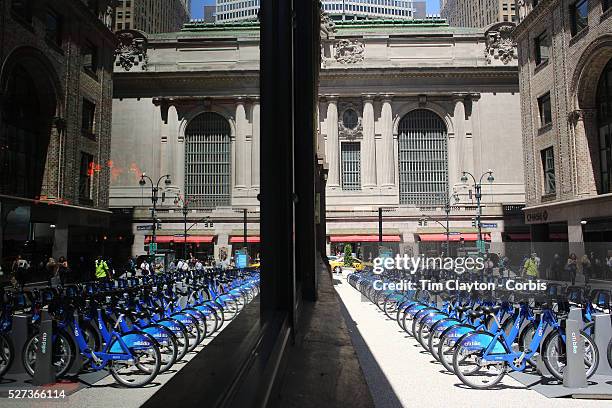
(477, 13)
(152, 16)
(240, 10)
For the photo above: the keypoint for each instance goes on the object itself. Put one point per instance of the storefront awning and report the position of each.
(192, 239)
(453, 237)
(364, 238)
(240, 239)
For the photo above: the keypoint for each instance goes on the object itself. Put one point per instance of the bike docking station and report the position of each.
(575, 384)
(44, 373)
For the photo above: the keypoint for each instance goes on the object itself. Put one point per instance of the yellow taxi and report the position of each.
(337, 263)
(255, 263)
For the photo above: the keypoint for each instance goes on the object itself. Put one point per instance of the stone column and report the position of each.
(388, 169)
(333, 178)
(368, 147)
(255, 144)
(241, 144)
(176, 149)
(465, 146)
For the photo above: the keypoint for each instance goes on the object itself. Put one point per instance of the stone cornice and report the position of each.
(535, 14)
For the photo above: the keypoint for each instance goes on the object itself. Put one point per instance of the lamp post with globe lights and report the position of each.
(154, 198)
(478, 190)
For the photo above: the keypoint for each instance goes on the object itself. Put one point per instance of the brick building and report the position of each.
(152, 16)
(565, 51)
(56, 61)
(477, 13)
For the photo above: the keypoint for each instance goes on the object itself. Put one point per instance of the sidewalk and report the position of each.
(400, 373)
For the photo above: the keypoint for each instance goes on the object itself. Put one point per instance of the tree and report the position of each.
(348, 255)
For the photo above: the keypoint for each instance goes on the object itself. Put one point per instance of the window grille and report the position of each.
(351, 165)
(423, 159)
(208, 161)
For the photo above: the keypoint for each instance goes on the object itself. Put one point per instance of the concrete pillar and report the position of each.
(60, 241)
(333, 178)
(255, 163)
(139, 242)
(465, 151)
(241, 145)
(176, 149)
(584, 183)
(575, 237)
(388, 168)
(368, 145)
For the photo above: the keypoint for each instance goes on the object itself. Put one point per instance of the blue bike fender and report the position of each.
(454, 333)
(159, 334)
(433, 317)
(443, 325)
(481, 340)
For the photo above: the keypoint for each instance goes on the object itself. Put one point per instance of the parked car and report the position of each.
(337, 263)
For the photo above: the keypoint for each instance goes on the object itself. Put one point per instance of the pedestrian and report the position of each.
(556, 267)
(585, 263)
(52, 269)
(145, 268)
(64, 271)
(531, 265)
(571, 266)
(19, 271)
(102, 269)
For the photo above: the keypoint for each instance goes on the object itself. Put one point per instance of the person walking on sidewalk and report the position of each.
(585, 263)
(102, 269)
(530, 268)
(571, 267)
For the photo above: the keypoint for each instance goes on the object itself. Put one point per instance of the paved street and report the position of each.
(400, 373)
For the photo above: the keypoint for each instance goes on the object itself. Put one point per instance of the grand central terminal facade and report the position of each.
(405, 107)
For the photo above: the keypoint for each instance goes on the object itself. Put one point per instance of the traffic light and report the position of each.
(474, 223)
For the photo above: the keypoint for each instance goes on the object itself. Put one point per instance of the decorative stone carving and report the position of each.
(349, 51)
(132, 50)
(351, 130)
(499, 43)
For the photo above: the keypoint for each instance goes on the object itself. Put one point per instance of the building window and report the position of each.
(542, 48)
(423, 159)
(548, 170)
(86, 173)
(579, 16)
(545, 110)
(604, 103)
(88, 119)
(208, 161)
(23, 9)
(351, 165)
(53, 28)
(89, 53)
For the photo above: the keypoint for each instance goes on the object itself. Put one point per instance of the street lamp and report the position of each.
(478, 191)
(154, 197)
(184, 202)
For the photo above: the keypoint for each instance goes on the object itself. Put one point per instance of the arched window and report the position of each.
(208, 160)
(24, 135)
(423, 159)
(604, 103)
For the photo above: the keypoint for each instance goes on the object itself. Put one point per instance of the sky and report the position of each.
(197, 7)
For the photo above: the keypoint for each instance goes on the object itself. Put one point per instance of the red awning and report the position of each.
(240, 239)
(364, 238)
(519, 236)
(192, 239)
(452, 237)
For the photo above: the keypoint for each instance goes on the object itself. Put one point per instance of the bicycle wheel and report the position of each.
(610, 353)
(555, 358)
(524, 342)
(7, 353)
(141, 371)
(468, 364)
(167, 344)
(63, 353)
(193, 330)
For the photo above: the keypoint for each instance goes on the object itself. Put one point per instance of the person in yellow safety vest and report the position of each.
(531, 266)
(101, 268)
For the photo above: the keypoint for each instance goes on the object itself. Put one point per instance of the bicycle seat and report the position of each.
(475, 314)
(491, 309)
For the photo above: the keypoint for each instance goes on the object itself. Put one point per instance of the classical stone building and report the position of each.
(565, 51)
(404, 108)
(152, 16)
(56, 63)
(477, 13)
